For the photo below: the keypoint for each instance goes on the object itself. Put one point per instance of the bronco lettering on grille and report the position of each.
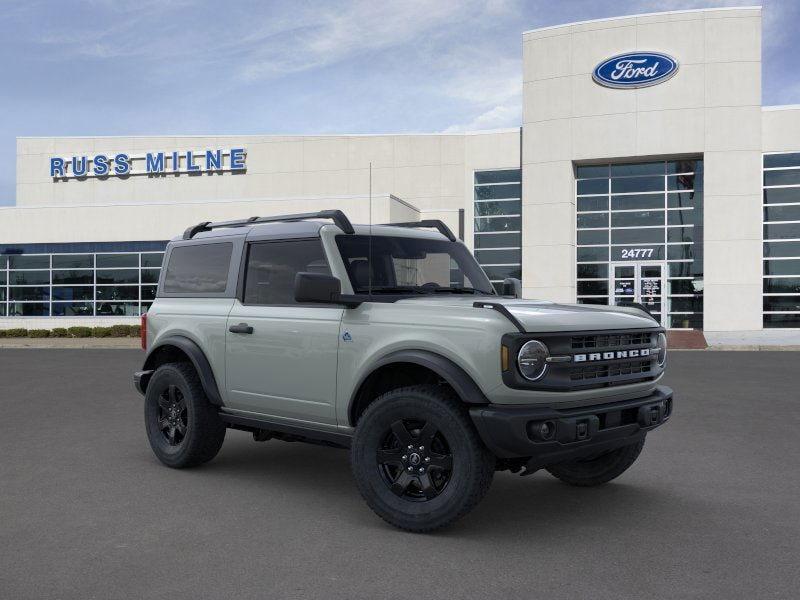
(595, 356)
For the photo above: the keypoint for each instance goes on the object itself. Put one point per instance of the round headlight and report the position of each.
(532, 359)
(662, 349)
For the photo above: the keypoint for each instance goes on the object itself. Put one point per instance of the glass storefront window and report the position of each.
(79, 283)
(117, 292)
(110, 261)
(498, 240)
(29, 277)
(82, 292)
(73, 309)
(34, 261)
(117, 309)
(645, 218)
(79, 277)
(781, 287)
(28, 309)
(117, 276)
(29, 293)
(150, 260)
(150, 275)
(73, 261)
(498, 223)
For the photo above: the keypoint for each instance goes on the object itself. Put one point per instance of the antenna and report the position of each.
(369, 243)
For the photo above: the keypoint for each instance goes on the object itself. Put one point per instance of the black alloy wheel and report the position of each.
(184, 429)
(414, 460)
(172, 417)
(418, 460)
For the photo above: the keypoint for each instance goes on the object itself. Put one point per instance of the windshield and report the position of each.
(411, 265)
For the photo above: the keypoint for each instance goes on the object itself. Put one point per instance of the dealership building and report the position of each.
(645, 169)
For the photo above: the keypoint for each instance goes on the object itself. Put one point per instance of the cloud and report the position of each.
(323, 37)
(497, 117)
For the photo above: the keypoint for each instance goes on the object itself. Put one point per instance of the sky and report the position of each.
(172, 67)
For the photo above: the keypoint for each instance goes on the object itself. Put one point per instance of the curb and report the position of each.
(71, 343)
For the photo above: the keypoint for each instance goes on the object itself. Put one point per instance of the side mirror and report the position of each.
(317, 287)
(512, 287)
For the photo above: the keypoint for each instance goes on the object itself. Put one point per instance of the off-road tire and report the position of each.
(472, 465)
(204, 430)
(599, 470)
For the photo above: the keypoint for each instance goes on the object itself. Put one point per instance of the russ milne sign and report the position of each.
(635, 70)
(152, 163)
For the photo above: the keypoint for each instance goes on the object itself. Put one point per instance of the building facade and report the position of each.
(645, 169)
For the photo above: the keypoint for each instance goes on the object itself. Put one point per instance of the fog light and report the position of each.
(543, 430)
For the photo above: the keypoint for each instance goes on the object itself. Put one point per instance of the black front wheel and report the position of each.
(183, 427)
(417, 459)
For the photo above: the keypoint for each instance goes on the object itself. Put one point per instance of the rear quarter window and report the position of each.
(198, 269)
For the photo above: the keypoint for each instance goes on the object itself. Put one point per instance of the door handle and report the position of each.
(240, 328)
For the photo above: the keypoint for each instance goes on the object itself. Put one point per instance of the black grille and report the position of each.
(629, 367)
(589, 359)
(583, 342)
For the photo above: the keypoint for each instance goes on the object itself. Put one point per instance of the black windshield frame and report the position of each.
(386, 249)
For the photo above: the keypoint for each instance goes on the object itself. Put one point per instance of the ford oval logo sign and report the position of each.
(635, 70)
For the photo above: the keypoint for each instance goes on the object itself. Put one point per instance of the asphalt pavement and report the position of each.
(710, 510)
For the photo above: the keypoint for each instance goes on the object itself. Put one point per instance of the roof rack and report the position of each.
(443, 229)
(337, 216)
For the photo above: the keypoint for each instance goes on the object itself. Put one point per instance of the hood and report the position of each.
(542, 315)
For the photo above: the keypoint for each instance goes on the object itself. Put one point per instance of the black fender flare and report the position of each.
(196, 356)
(462, 383)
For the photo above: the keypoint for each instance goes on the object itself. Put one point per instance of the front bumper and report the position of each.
(517, 431)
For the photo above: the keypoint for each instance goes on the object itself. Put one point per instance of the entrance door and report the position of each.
(640, 282)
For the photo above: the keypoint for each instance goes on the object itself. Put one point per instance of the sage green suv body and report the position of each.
(391, 341)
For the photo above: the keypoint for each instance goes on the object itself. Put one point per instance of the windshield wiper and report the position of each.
(457, 290)
(393, 289)
(422, 291)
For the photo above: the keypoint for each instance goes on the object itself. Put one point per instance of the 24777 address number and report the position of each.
(637, 252)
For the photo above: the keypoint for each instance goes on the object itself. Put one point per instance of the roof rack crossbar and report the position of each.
(436, 223)
(337, 216)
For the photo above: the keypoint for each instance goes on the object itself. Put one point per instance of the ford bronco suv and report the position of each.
(391, 341)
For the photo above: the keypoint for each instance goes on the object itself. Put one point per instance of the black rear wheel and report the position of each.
(417, 459)
(183, 427)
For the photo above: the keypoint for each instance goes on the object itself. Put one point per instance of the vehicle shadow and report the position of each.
(538, 503)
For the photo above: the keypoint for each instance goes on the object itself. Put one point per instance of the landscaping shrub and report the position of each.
(116, 331)
(120, 330)
(80, 332)
(16, 332)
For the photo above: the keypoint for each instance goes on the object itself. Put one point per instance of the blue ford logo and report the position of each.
(635, 70)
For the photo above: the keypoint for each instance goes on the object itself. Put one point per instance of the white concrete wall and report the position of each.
(780, 128)
(141, 222)
(712, 106)
(433, 173)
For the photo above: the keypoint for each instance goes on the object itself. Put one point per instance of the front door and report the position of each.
(280, 355)
(640, 282)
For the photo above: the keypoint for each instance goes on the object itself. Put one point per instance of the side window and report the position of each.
(272, 266)
(198, 269)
